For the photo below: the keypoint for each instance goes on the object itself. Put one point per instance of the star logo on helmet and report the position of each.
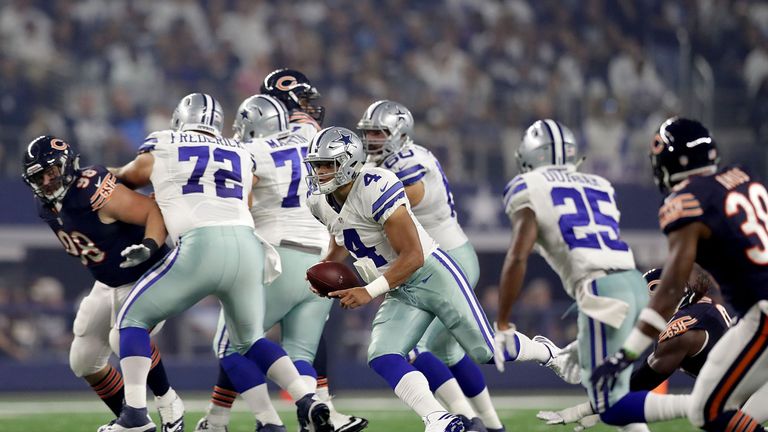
(343, 138)
(244, 114)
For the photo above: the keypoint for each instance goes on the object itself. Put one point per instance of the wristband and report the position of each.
(653, 319)
(378, 287)
(636, 343)
(151, 245)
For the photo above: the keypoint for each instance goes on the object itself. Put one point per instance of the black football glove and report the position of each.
(605, 375)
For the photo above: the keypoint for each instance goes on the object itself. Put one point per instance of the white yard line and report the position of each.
(9, 408)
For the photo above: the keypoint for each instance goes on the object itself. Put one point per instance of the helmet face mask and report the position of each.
(260, 116)
(49, 168)
(680, 149)
(335, 157)
(385, 128)
(198, 112)
(546, 143)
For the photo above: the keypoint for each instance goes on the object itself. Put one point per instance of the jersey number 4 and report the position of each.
(755, 208)
(220, 177)
(587, 212)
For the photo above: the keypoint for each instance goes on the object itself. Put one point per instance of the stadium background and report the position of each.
(103, 74)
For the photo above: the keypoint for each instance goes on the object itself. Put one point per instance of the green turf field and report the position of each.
(381, 421)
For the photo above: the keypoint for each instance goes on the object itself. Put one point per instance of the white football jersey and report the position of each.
(279, 207)
(435, 211)
(578, 222)
(199, 180)
(359, 223)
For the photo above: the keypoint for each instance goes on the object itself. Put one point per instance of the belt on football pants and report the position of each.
(288, 244)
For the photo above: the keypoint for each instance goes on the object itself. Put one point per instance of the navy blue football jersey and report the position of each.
(735, 208)
(703, 315)
(84, 235)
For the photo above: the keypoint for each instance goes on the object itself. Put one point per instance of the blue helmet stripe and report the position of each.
(213, 110)
(280, 116)
(205, 106)
(551, 137)
(557, 142)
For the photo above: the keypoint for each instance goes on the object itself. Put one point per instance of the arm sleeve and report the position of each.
(149, 143)
(100, 187)
(411, 174)
(385, 202)
(680, 209)
(646, 378)
(516, 196)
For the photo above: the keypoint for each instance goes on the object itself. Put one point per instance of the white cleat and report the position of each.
(443, 422)
(347, 423)
(558, 363)
(171, 415)
(203, 425)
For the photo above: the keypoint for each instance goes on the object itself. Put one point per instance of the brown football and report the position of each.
(331, 276)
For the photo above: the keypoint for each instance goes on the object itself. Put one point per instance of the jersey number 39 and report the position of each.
(588, 212)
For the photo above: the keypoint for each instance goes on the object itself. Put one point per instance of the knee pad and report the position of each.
(87, 356)
(114, 340)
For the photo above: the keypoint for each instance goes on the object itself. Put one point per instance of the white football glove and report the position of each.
(581, 414)
(138, 253)
(504, 341)
(570, 367)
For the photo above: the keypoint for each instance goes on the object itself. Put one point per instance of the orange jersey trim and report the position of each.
(683, 205)
(104, 192)
(677, 327)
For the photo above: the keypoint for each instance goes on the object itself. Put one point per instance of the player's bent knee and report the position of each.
(87, 356)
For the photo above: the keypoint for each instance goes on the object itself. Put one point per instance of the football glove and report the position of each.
(581, 414)
(138, 253)
(571, 369)
(504, 342)
(604, 376)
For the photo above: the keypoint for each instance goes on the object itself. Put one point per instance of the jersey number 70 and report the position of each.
(587, 212)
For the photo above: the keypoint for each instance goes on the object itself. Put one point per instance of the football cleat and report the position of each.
(475, 424)
(171, 415)
(203, 425)
(347, 423)
(261, 427)
(313, 415)
(443, 422)
(130, 420)
(556, 362)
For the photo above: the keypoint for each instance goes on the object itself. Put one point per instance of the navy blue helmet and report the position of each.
(49, 167)
(294, 89)
(681, 148)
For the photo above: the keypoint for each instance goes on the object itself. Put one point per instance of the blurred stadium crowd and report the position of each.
(104, 73)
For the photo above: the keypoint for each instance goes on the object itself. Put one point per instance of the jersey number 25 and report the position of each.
(588, 212)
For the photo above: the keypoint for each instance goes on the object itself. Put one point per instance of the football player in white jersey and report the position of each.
(300, 97)
(385, 132)
(202, 184)
(366, 210)
(572, 220)
(282, 218)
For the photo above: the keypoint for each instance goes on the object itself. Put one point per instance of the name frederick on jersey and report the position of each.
(199, 138)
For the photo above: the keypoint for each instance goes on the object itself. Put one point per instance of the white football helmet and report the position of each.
(338, 146)
(260, 116)
(546, 142)
(394, 119)
(198, 112)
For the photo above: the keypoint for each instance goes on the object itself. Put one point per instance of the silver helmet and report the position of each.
(198, 112)
(546, 142)
(394, 119)
(260, 116)
(338, 146)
